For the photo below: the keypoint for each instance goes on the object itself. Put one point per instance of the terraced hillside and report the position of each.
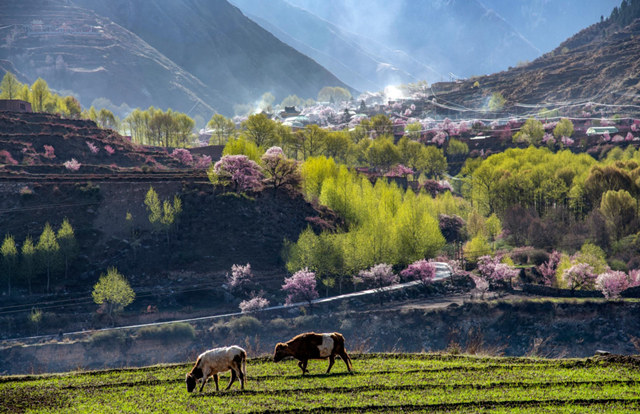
(390, 383)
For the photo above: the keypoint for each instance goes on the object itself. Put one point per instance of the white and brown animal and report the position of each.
(217, 360)
(312, 345)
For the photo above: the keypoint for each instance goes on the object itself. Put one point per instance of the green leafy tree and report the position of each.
(261, 130)
(35, 317)
(564, 128)
(162, 215)
(496, 102)
(337, 145)
(311, 141)
(222, 129)
(10, 87)
(315, 171)
(619, 209)
(48, 252)
(532, 132)
(475, 248)
(39, 94)
(28, 259)
(68, 244)
(242, 146)
(9, 260)
(73, 109)
(413, 131)
(113, 292)
(382, 153)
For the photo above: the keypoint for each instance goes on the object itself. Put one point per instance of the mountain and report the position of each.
(224, 49)
(193, 56)
(359, 61)
(427, 39)
(599, 65)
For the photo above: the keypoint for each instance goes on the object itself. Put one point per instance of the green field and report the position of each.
(380, 383)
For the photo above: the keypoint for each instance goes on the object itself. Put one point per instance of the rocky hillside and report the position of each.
(599, 64)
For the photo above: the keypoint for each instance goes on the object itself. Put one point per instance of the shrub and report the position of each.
(180, 331)
(244, 324)
(107, 339)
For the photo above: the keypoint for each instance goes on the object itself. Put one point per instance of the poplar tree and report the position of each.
(10, 87)
(9, 259)
(68, 244)
(27, 263)
(113, 292)
(47, 251)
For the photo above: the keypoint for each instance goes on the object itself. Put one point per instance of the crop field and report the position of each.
(380, 383)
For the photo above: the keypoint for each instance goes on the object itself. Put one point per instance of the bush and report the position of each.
(107, 339)
(245, 324)
(180, 331)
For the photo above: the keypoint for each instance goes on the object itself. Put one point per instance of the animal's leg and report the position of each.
(242, 377)
(233, 378)
(347, 360)
(303, 366)
(204, 381)
(332, 359)
(215, 379)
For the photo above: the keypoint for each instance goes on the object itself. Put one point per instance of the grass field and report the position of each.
(380, 383)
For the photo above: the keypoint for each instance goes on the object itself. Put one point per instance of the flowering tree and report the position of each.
(203, 162)
(634, 278)
(494, 271)
(300, 287)
(279, 170)
(72, 165)
(482, 285)
(109, 149)
(579, 276)
(421, 270)
(377, 277)
(254, 304)
(611, 283)
(49, 152)
(5, 156)
(240, 280)
(399, 170)
(548, 269)
(94, 149)
(182, 155)
(237, 171)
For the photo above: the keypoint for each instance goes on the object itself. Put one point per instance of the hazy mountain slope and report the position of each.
(547, 23)
(359, 61)
(74, 49)
(599, 64)
(215, 42)
(463, 37)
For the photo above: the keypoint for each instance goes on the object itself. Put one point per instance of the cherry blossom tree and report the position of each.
(399, 170)
(280, 171)
(72, 165)
(548, 268)
(254, 304)
(612, 283)
(421, 270)
(580, 276)
(93, 148)
(182, 155)
(237, 171)
(49, 152)
(494, 271)
(240, 281)
(377, 277)
(301, 287)
(109, 149)
(203, 162)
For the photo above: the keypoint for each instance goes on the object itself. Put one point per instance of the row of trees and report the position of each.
(354, 148)
(156, 127)
(40, 96)
(49, 257)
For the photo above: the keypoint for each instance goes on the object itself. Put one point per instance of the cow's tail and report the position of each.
(345, 356)
(243, 367)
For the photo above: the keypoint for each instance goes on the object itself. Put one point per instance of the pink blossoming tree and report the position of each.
(580, 277)
(494, 271)
(72, 165)
(94, 149)
(240, 281)
(377, 277)
(612, 283)
(421, 270)
(109, 149)
(301, 287)
(49, 152)
(237, 171)
(254, 304)
(182, 155)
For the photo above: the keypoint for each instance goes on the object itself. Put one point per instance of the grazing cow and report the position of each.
(311, 345)
(213, 361)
